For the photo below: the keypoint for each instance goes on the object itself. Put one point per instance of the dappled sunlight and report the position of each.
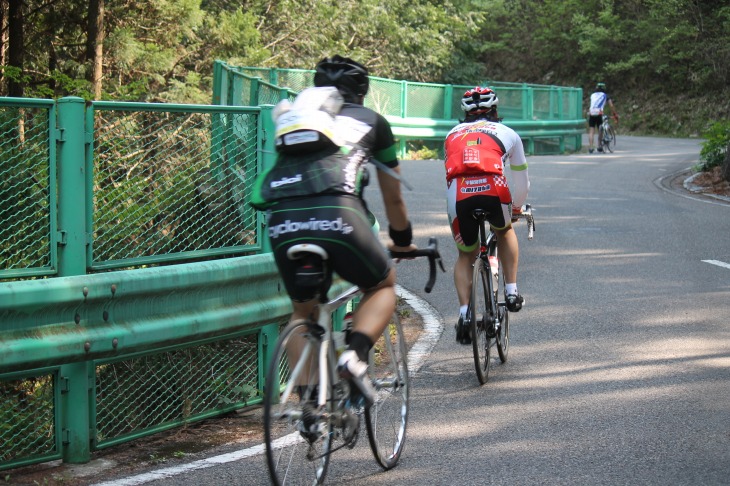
(594, 252)
(571, 162)
(618, 254)
(597, 198)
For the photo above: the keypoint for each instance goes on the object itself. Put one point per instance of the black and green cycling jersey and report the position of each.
(334, 170)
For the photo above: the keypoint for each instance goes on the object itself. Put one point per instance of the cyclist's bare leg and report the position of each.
(302, 310)
(375, 308)
(591, 135)
(508, 250)
(463, 275)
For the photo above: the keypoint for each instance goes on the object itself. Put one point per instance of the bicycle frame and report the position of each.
(487, 248)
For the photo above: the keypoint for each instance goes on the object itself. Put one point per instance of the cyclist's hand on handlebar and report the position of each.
(402, 249)
(516, 213)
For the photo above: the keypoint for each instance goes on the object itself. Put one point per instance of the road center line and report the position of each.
(718, 263)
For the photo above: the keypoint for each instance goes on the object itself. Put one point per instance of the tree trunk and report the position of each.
(95, 44)
(725, 167)
(16, 47)
(3, 36)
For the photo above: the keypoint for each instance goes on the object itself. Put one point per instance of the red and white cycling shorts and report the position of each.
(489, 192)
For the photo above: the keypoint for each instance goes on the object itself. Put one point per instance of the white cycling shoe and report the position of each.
(351, 368)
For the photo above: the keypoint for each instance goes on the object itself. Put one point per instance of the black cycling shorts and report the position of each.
(595, 120)
(340, 225)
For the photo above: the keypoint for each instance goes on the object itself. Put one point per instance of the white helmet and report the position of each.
(479, 100)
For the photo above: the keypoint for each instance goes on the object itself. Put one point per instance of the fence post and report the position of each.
(448, 96)
(267, 342)
(75, 413)
(404, 99)
(267, 149)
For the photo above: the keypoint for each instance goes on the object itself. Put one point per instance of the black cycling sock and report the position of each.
(361, 344)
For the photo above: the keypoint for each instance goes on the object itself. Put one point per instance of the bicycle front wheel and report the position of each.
(386, 419)
(480, 318)
(609, 139)
(502, 337)
(297, 433)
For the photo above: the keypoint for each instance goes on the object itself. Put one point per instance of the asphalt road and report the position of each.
(619, 366)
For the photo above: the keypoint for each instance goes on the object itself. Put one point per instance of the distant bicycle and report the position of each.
(606, 136)
(487, 315)
(309, 410)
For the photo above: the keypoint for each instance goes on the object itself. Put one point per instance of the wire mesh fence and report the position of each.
(171, 183)
(25, 191)
(28, 427)
(150, 393)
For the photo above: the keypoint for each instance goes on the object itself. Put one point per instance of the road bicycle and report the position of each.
(309, 410)
(606, 136)
(487, 316)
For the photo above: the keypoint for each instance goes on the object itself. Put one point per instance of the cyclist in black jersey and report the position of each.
(317, 198)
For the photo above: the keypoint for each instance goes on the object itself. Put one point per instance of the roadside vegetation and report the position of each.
(666, 62)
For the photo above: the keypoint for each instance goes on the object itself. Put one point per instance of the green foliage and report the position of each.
(715, 147)
(163, 50)
(424, 150)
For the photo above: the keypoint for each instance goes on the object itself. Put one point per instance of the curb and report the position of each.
(432, 329)
(691, 187)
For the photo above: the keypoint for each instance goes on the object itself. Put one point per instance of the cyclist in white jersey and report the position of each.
(599, 100)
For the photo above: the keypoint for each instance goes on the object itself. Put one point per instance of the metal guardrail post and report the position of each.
(75, 403)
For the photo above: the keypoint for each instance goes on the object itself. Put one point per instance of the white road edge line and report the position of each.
(432, 327)
(718, 263)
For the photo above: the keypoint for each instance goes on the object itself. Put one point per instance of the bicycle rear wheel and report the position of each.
(502, 337)
(298, 436)
(480, 318)
(386, 419)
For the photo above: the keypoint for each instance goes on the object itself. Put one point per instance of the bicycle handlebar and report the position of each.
(434, 257)
(530, 219)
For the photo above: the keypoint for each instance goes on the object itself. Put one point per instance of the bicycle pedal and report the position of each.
(351, 429)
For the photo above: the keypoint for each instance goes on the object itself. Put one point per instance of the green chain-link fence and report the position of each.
(26, 168)
(163, 184)
(171, 183)
(548, 118)
(150, 393)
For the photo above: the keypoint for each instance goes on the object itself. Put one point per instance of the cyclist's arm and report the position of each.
(613, 108)
(395, 207)
(520, 180)
(384, 151)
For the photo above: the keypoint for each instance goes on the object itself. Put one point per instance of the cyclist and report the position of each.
(476, 151)
(599, 99)
(311, 204)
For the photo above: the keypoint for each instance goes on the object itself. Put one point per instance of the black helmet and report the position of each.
(601, 86)
(348, 76)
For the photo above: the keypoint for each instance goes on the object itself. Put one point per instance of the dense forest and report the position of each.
(666, 62)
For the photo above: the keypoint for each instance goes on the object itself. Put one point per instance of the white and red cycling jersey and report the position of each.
(483, 148)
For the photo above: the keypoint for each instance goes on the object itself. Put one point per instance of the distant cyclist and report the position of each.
(598, 102)
(313, 195)
(476, 152)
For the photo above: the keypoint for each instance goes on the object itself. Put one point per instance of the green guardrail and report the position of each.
(77, 327)
(549, 119)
